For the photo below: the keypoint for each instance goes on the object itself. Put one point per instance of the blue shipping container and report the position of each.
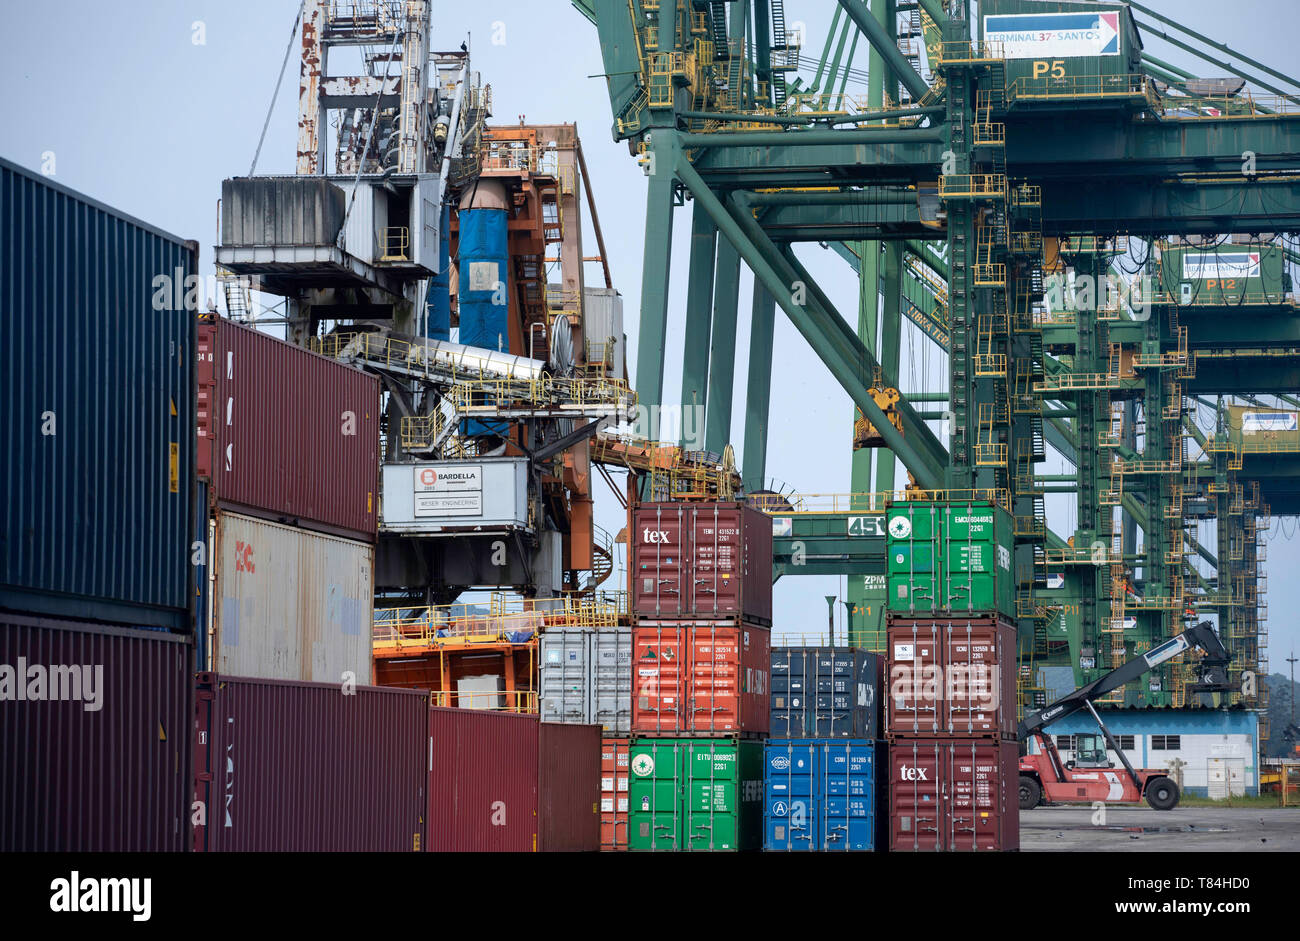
(821, 794)
(97, 406)
(825, 692)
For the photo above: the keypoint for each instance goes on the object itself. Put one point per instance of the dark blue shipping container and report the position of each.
(822, 794)
(97, 399)
(825, 692)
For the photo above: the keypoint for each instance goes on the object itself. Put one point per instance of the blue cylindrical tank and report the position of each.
(484, 274)
(437, 318)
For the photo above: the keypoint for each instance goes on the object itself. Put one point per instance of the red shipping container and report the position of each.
(102, 762)
(287, 766)
(482, 781)
(286, 434)
(699, 560)
(954, 795)
(613, 794)
(707, 677)
(568, 788)
(951, 677)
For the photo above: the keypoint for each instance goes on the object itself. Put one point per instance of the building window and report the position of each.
(1065, 742)
(1126, 742)
(1166, 742)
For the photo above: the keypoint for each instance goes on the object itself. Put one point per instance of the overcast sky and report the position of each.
(140, 114)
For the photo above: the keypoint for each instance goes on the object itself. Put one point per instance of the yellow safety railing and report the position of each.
(515, 156)
(404, 629)
(395, 243)
(973, 186)
(519, 700)
(546, 392)
(957, 52)
(1047, 88)
(873, 502)
(1221, 107)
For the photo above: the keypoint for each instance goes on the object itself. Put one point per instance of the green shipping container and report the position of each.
(951, 558)
(701, 794)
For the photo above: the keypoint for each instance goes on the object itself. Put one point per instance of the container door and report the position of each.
(612, 679)
(654, 795)
(565, 656)
(713, 700)
(613, 794)
(786, 678)
(790, 799)
(913, 557)
(915, 789)
(848, 815)
(660, 572)
(660, 677)
(713, 796)
(716, 560)
(915, 678)
(976, 801)
(973, 674)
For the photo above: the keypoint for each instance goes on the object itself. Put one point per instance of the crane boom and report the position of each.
(1213, 676)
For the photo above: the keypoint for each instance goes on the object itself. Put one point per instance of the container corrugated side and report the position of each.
(482, 769)
(309, 767)
(107, 772)
(290, 604)
(97, 398)
(287, 434)
(568, 788)
(822, 794)
(825, 692)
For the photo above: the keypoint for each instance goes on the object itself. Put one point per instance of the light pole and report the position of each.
(830, 620)
(1292, 660)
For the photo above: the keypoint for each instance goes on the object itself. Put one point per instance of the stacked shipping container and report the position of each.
(950, 713)
(821, 785)
(97, 393)
(289, 454)
(701, 589)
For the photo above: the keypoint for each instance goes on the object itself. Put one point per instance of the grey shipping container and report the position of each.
(586, 677)
(279, 210)
(100, 762)
(97, 399)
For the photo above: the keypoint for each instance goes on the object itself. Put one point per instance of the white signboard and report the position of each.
(449, 491)
(1054, 35)
(1198, 266)
(1252, 422)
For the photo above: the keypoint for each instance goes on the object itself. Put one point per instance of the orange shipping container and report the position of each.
(613, 794)
(702, 676)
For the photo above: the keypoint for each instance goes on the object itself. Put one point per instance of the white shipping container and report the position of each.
(289, 604)
(602, 328)
(586, 677)
(473, 495)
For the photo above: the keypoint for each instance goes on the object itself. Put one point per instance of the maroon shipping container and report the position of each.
(954, 794)
(286, 434)
(288, 766)
(951, 676)
(701, 560)
(705, 677)
(568, 788)
(482, 781)
(102, 766)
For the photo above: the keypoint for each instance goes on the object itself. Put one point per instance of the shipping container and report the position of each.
(700, 676)
(568, 788)
(950, 557)
(701, 794)
(825, 692)
(100, 762)
(1063, 51)
(484, 494)
(482, 781)
(602, 331)
(613, 794)
(288, 603)
(822, 794)
(951, 677)
(97, 396)
(286, 434)
(1240, 275)
(701, 560)
(586, 677)
(284, 766)
(954, 795)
